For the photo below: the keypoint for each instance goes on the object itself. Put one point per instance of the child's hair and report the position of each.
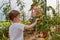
(13, 14)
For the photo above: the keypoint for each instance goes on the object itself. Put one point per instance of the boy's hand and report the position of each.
(32, 25)
(37, 20)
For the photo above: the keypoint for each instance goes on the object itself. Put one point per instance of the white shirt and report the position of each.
(16, 31)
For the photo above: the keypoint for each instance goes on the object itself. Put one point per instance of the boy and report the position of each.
(16, 29)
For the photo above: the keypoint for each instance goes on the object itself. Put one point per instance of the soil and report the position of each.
(32, 37)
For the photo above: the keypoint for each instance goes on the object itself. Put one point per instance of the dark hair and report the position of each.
(13, 14)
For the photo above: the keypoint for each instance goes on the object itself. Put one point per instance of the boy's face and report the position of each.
(18, 18)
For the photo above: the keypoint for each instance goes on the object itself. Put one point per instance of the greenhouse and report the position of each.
(40, 19)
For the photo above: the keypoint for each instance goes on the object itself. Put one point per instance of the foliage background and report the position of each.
(44, 25)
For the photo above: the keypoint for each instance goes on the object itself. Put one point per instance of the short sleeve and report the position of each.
(20, 26)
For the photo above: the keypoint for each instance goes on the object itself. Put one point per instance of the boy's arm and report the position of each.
(32, 25)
